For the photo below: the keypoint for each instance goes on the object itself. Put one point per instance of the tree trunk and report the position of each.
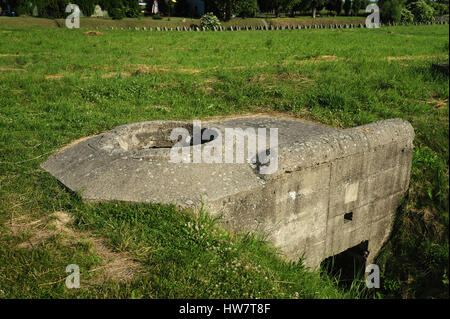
(314, 13)
(229, 10)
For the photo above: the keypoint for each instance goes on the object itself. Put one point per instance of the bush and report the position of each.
(422, 11)
(356, 6)
(87, 7)
(52, 8)
(347, 7)
(117, 13)
(390, 10)
(209, 21)
(407, 16)
(132, 8)
(440, 9)
(247, 9)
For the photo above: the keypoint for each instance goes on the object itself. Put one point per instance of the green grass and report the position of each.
(58, 85)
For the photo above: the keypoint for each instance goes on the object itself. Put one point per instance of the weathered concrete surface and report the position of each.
(323, 173)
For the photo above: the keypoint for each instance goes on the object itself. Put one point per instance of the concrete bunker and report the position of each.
(347, 265)
(333, 188)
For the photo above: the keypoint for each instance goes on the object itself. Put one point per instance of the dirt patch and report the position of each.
(114, 74)
(293, 77)
(322, 58)
(438, 104)
(211, 80)
(93, 33)
(73, 143)
(326, 58)
(410, 57)
(136, 69)
(53, 76)
(189, 71)
(3, 69)
(115, 265)
(158, 107)
(206, 89)
(260, 78)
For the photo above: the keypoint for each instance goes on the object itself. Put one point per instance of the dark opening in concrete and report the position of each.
(348, 265)
(348, 217)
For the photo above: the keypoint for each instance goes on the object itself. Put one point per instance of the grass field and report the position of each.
(59, 85)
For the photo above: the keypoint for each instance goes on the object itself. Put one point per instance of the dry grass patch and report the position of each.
(3, 69)
(53, 76)
(438, 103)
(322, 58)
(115, 265)
(412, 57)
(93, 33)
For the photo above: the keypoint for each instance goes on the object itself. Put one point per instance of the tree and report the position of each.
(356, 6)
(407, 16)
(290, 6)
(246, 8)
(334, 5)
(390, 10)
(87, 7)
(182, 8)
(313, 5)
(421, 10)
(347, 7)
(224, 9)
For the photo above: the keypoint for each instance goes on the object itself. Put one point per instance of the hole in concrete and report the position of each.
(348, 265)
(348, 217)
(157, 135)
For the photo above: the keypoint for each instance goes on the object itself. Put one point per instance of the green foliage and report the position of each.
(390, 10)
(117, 13)
(87, 7)
(224, 9)
(182, 8)
(334, 5)
(56, 8)
(347, 7)
(440, 9)
(314, 5)
(407, 16)
(246, 8)
(50, 8)
(290, 6)
(22, 7)
(421, 10)
(357, 5)
(209, 21)
(132, 8)
(420, 236)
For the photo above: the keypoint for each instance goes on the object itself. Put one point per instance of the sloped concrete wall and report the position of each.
(362, 172)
